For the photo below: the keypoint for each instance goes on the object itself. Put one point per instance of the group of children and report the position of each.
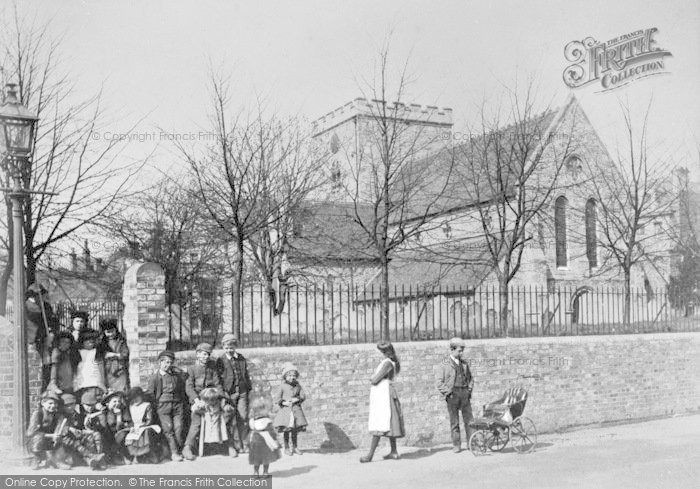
(208, 404)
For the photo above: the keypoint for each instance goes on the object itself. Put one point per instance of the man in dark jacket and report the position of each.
(236, 383)
(455, 383)
(167, 388)
(42, 326)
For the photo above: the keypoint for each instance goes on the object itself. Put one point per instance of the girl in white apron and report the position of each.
(385, 416)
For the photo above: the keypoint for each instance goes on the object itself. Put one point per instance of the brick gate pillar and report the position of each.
(145, 318)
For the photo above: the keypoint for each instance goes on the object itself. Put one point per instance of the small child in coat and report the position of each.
(290, 419)
(264, 448)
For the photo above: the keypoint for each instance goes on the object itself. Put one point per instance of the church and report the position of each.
(467, 196)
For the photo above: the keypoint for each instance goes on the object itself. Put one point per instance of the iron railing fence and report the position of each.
(341, 314)
(96, 310)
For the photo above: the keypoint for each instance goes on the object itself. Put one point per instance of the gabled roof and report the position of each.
(327, 233)
(452, 182)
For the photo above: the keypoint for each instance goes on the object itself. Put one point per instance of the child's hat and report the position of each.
(167, 353)
(288, 367)
(68, 399)
(112, 394)
(204, 347)
(210, 393)
(50, 394)
(135, 392)
(87, 334)
(108, 323)
(80, 314)
(88, 397)
(229, 338)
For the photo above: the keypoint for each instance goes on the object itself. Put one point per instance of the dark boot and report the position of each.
(372, 448)
(393, 454)
(37, 462)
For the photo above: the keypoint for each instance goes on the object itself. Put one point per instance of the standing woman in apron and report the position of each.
(385, 416)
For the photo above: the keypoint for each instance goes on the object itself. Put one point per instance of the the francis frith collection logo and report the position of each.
(615, 63)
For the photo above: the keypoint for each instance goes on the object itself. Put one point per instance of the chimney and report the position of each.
(87, 263)
(73, 261)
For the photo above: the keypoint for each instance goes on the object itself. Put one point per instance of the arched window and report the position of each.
(560, 206)
(574, 166)
(591, 233)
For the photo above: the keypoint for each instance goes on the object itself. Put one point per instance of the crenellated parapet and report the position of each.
(362, 107)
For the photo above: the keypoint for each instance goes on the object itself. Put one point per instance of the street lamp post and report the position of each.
(18, 125)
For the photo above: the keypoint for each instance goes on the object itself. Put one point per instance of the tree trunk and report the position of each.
(503, 302)
(30, 267)
(384, 300)
(627, 296)
(236, 291)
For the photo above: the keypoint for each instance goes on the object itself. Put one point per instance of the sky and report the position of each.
(152, 59)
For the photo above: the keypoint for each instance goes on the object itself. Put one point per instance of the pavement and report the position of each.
(654, 454)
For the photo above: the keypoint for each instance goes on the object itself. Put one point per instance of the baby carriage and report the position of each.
(502, 422)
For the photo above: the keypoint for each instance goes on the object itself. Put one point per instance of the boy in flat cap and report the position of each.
(79, 442)
(235, 379)
(167, 388)
(455, 383)
(203, 374)
(44, 433)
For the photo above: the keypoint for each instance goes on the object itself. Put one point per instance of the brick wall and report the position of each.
(572, 381)
(7, 376)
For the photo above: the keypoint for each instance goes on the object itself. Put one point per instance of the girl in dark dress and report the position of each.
(64, 363)
(264, 448)
(141, 440)
(385, 416)
(116, 357)
(118, 426)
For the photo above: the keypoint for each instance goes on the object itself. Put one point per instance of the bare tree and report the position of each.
(296, 176)
(69, 161)
(509, 169)
(636, 201)
(250, 181)
(391, 184)
(166, 224)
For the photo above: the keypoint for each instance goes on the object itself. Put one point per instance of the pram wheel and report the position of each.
(523, 435)
(477, 443)
(497, 440)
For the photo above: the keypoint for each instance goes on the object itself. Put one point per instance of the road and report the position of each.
(653, 454)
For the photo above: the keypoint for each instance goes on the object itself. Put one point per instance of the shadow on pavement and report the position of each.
(423, 452)
(294, 471)
(337, 442)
